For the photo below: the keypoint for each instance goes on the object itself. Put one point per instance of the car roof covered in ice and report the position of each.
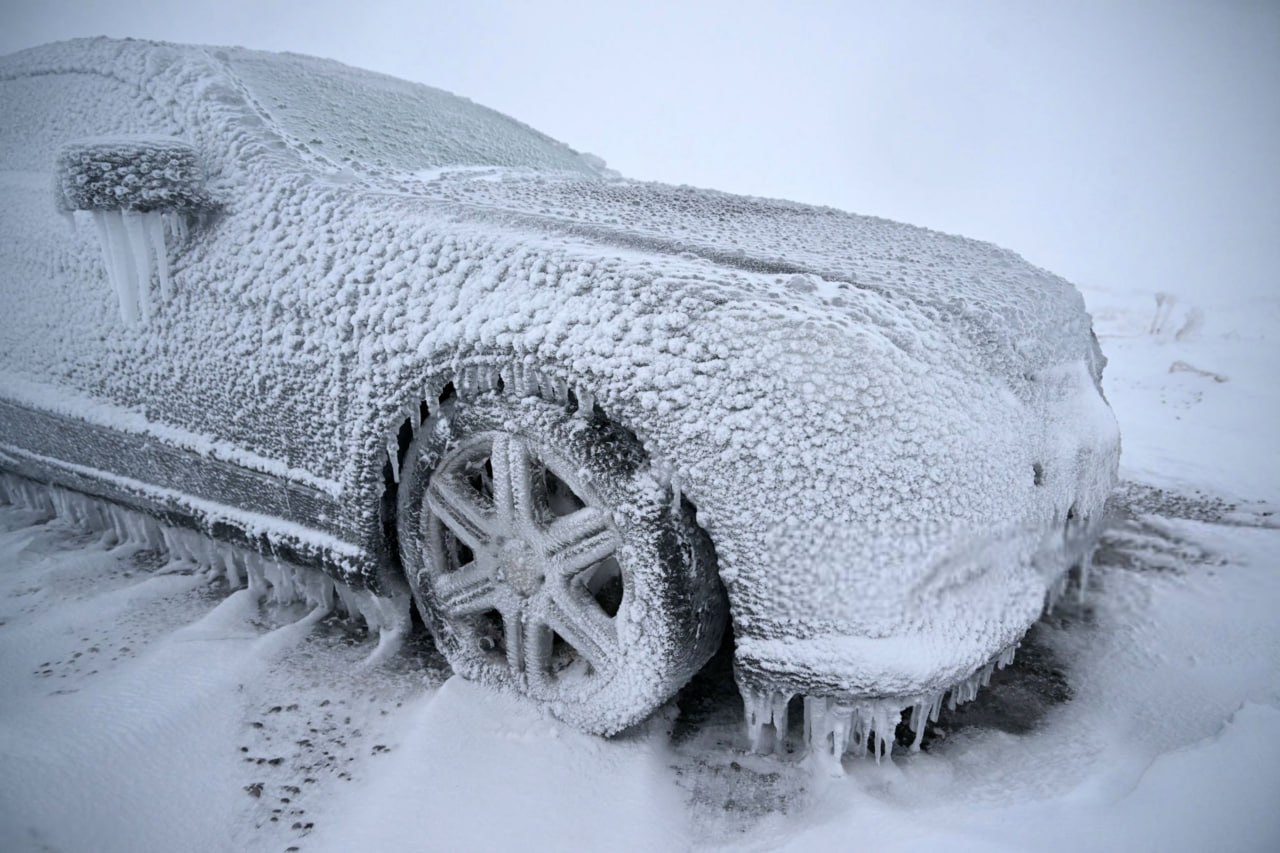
(331, 113)
(352, 115)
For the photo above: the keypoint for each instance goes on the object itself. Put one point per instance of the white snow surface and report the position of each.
(886, 430)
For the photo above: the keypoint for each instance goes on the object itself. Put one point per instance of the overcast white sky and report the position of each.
(1123, 144)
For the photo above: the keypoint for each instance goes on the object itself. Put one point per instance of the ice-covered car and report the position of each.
(357, 324)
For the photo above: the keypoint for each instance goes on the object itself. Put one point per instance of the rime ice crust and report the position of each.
(131, 173)
(895, 437)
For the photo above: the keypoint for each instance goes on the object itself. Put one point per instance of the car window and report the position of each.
(381, 122)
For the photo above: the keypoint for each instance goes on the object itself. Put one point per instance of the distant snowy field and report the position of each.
(145, 707)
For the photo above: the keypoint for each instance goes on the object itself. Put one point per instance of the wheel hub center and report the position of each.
(520, 567)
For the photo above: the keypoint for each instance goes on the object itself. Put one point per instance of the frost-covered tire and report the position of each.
(546, 559)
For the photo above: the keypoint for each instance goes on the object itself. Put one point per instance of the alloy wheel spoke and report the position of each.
(463, 514)
(578, 541)
(576, 617)
(512, 480)
(538, 639)
(532, 573)
(513, 633)
(467, 591)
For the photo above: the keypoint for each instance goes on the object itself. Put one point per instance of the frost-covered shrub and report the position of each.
(134, 173)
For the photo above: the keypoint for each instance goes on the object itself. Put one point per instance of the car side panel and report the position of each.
(276, 517)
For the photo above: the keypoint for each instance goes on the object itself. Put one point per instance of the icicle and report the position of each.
(192, 546)
(126, 275)
(26, 495)
(249, 562)
(387, 615)
(781, 721)
(283, 590)
(154, 225)
(170, 547)
(188, 545)
(393, 453)
(675, 493)
(318, 588)
(128, 308)
(1086, 566)
(179, 223)
(118, 530)
(254, 568)
(151, 531)
(840, 725)
(274, 587)
(125, 527)
(60, 508)
(883, 723)
(136, 530)
(347, 600)
(230, 570)
(1055, 591)
(754, 707)
(415, 419)
(826, 734)
(210, 558)
(919, 719)
(140, 252)
(586, 402)
(766, 709)
(967, 690)
(460, 385)
(268, 577)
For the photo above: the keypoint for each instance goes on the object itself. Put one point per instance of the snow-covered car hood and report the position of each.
(895, 437)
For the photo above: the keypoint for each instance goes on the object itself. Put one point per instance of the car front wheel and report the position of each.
(546, 559)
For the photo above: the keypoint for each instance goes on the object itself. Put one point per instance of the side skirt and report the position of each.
(276, 518)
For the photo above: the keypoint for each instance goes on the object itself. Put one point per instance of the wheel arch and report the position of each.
(451, 379)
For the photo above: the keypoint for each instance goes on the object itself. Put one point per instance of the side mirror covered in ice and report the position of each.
(141, 192)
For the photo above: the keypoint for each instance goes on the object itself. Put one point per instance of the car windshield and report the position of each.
(350, 115)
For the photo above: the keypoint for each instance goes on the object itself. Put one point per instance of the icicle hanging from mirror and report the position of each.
(139, 191)
(136, 253)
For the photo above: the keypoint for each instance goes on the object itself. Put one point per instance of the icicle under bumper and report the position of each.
(834, 726)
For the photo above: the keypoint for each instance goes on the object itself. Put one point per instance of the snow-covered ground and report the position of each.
(146, 707)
